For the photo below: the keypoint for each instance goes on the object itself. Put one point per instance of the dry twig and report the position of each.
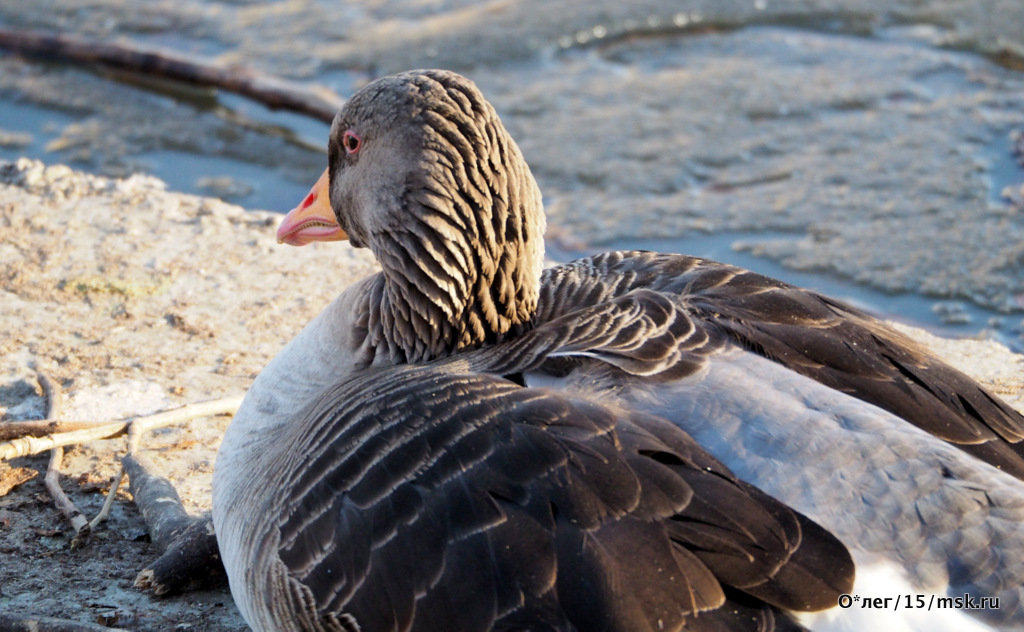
(89, 431)
(52, 479)
(11, 430)
(27, 446)
(52, 393)
(68, 508)
(108, 501)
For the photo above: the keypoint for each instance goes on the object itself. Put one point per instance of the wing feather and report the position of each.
(559, 511)
(816, 336)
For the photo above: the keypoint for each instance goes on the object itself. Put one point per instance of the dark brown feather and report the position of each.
(564, 513)
(835, 344)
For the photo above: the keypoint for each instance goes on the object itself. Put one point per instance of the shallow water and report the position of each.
(861, 148)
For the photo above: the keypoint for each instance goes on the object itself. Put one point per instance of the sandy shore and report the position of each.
(134, 299)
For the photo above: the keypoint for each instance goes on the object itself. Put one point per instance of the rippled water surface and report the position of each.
(862, 148)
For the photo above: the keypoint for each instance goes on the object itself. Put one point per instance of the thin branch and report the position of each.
(52, 393)
(27, 446)
(68, 508)
(12, 430)
(209, 408)
(274, 92)
(52, 478)
(108, 502)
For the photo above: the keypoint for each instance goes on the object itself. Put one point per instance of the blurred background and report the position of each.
(870, 149)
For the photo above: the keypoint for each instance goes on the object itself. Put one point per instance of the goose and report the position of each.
(634, 440)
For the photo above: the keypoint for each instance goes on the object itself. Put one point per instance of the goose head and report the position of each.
(422, 172)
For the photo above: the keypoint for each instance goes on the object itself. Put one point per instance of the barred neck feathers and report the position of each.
(439, 191)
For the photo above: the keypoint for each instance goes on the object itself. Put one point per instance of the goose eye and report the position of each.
(351, 142)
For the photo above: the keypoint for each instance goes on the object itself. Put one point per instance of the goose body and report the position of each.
(631, 441)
